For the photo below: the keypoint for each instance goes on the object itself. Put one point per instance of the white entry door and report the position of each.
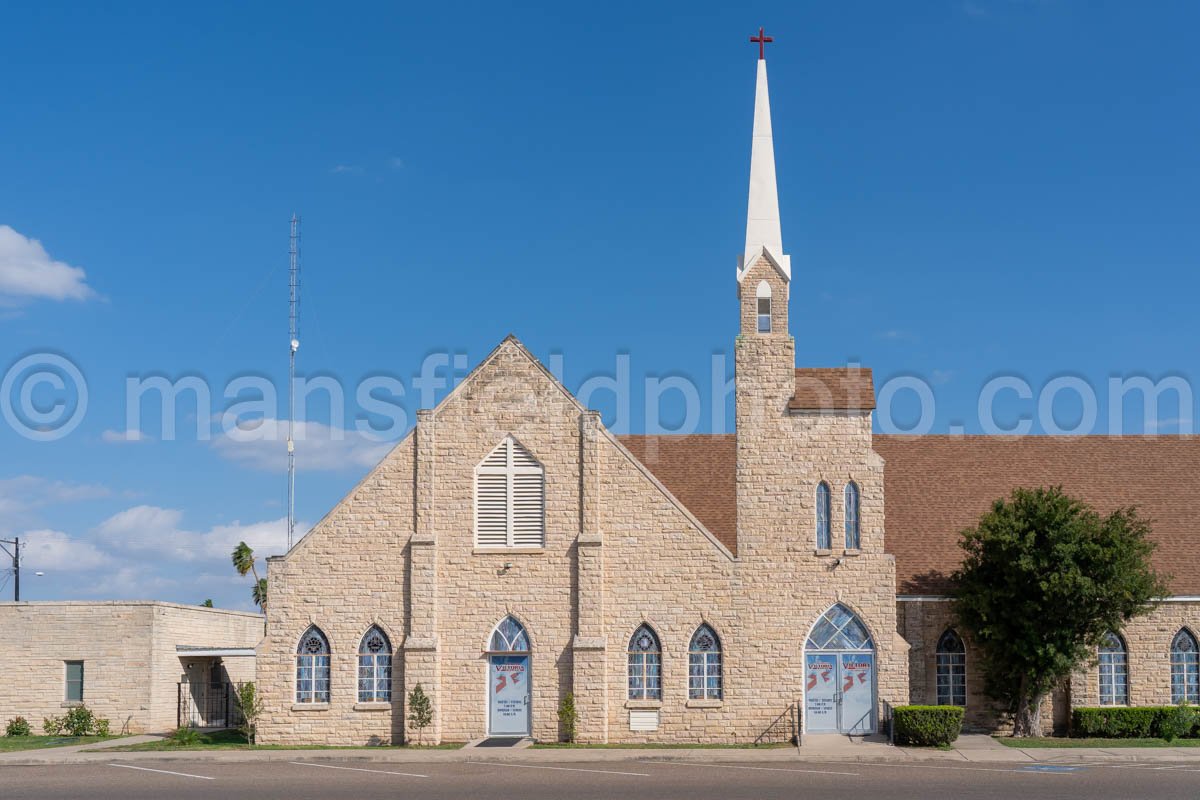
(508, 695)
(839, 693)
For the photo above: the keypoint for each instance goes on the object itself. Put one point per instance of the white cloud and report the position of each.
(347, 169)
(130, 582)
(28, 272)
(56, 551)
(262, 444)
(26, 492)
(395, 162)
(151, 529)
(123, 437)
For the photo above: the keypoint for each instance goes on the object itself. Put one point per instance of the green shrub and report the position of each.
(18, 726)
(1115, 722)
(926, 726)
(184, 736)
(1119, 722)
(1174, 722)
(568, 716)
(79, 721)
(420, 711)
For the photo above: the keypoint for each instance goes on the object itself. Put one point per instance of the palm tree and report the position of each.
(243, 562)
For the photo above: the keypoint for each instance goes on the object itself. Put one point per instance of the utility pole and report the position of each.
(293, 346)
(15, 554)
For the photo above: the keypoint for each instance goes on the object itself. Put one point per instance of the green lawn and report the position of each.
(1054, 741)
(8, 743)
(234, 740)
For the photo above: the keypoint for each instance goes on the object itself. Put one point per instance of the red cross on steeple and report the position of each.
(761, 41)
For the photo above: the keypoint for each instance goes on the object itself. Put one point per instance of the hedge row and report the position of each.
(1141, 722)
(926, 726)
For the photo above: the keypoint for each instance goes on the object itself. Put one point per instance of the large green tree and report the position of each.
(1044, 578)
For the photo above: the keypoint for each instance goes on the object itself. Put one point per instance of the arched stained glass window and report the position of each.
(509, 637)
(853, 531)
(645, 665)
(824, 507)
(375, 668)
(951, 670)
(312, 667)
(704, 665)
(1185, 669)
(1114, 671)
(839, 629)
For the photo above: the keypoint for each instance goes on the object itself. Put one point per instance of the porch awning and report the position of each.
(223, 652)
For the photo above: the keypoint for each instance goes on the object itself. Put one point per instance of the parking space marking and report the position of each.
(764, 769)
(356, 769)
(564, 769)
(163, 771)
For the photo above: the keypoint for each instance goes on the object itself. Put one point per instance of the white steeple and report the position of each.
(762, 211)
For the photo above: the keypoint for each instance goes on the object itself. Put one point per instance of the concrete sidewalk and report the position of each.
(968, 749)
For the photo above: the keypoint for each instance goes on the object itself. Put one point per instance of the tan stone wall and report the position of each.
(1148, 650)
(922, 623)
(128, 650)
(349, 573)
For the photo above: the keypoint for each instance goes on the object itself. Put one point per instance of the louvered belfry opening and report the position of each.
(510, 498)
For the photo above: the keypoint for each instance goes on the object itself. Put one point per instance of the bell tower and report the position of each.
(765, 353)
(766, 356)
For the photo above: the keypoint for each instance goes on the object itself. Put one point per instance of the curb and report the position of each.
(780, 756)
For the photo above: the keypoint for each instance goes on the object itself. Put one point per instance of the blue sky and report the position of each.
(969, 190)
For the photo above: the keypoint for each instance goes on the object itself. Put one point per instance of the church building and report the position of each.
(788, 579)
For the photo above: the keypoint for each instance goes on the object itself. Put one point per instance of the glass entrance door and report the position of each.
(821, 693)
(508, 696)
(839, 675)
(857, 676)
(839, 693)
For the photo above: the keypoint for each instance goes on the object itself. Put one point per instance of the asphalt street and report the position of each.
(330, 778)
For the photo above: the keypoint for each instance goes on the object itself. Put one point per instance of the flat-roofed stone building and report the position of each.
(146, 666)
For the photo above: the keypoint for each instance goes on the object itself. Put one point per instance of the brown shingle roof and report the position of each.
(836, 388)
(700, 471)
(935, 486)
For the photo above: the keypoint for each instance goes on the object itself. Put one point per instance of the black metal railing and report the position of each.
(207, 705)
(784, 728)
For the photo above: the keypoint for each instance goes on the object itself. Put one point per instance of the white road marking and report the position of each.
(1024, 769)
(564, 769)
(356, 769)
(1172, 767)
(765, 769)
(163, 771)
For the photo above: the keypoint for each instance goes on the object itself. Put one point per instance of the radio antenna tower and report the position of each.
(293, 346)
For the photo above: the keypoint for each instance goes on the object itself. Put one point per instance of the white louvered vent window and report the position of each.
(510, 498)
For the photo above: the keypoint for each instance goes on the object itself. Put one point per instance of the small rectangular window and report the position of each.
(764, 315)
(74, 692)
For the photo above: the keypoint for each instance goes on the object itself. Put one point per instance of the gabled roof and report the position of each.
(833, 389)
(935, 486)
(699, 471)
